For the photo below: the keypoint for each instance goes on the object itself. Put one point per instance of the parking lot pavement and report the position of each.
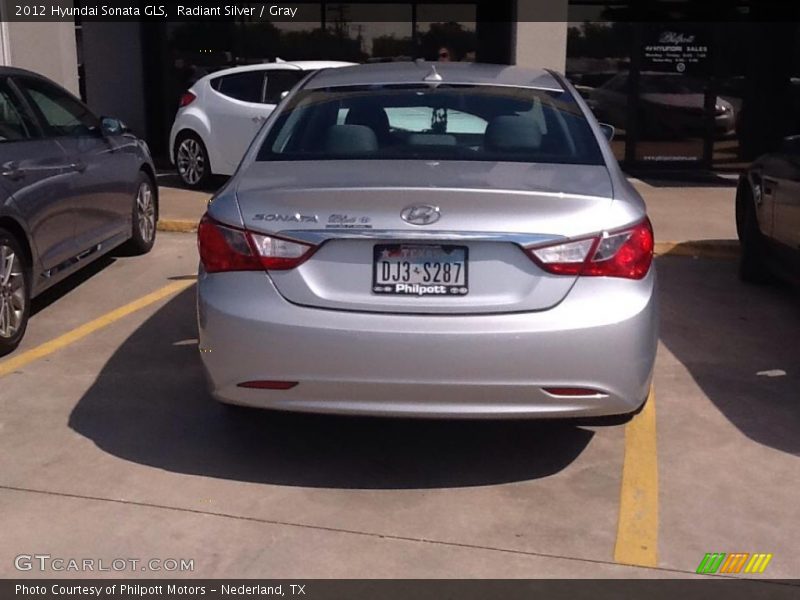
(728, 378)
(178, 204)
(111, 448)
(682, 212)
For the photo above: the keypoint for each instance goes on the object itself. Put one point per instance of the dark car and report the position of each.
(768, 215)
(72, 188)
(671, 106)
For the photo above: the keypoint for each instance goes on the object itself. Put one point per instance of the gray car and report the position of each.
(72, 188)
(448, 240)
(768, 215)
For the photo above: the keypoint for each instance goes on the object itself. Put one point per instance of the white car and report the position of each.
(221, 113)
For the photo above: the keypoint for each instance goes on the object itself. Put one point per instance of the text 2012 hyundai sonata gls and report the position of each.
(449, 240)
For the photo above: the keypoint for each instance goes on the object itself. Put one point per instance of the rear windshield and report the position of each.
(448, 122)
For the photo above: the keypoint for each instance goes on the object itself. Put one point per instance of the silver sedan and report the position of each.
(448, 240)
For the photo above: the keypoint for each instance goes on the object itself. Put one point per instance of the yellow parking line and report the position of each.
(12, 364)
(637, 530)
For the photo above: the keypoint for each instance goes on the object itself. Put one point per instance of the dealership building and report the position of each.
(685, 87)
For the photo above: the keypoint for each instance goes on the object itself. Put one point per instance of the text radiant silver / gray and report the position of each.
(457, 248)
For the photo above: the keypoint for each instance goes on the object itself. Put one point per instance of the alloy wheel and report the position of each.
(12, 292)
(191, 161)
(146, 212)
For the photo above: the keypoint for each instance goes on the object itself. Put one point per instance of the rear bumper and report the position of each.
(602, 336)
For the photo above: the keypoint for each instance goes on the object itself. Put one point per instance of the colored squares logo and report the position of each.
(737, 562)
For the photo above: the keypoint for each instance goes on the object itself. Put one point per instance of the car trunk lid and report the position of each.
(486, 213)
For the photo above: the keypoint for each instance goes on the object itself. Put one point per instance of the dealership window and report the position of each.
(656, 82)
(447, 31)
(372, 32)
(404, 30)
(757, 73)
(699, 85)
(598, 65)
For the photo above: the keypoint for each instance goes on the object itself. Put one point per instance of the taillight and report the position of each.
(279, 254)
(187, 99)
(627, 253)
(224, 248)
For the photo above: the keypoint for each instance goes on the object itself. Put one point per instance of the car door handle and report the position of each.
(12, 171)
(79, 166)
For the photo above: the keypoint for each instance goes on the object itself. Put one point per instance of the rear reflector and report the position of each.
(268, 385)
(573, 391)
(626, 253)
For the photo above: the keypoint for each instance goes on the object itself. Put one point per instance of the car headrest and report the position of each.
(373, 117)
(513, 132)
(350, 139)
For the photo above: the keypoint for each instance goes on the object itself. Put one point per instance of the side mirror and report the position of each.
(791, 144)
(608, 130)
(112, 126)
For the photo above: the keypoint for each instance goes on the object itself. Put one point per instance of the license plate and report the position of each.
(420, 270)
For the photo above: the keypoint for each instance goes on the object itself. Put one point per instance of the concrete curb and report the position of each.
(722, 249)
(177, 225)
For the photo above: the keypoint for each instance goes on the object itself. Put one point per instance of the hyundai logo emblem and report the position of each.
(420, 214)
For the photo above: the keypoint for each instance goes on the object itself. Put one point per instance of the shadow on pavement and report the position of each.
(736, 340)
(149, 406)
(64, 287)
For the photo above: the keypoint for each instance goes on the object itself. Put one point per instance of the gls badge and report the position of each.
(295, 218)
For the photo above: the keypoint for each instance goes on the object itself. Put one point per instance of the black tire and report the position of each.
(752, 266)
(144, 219)
(191, 161)
(15, 289)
